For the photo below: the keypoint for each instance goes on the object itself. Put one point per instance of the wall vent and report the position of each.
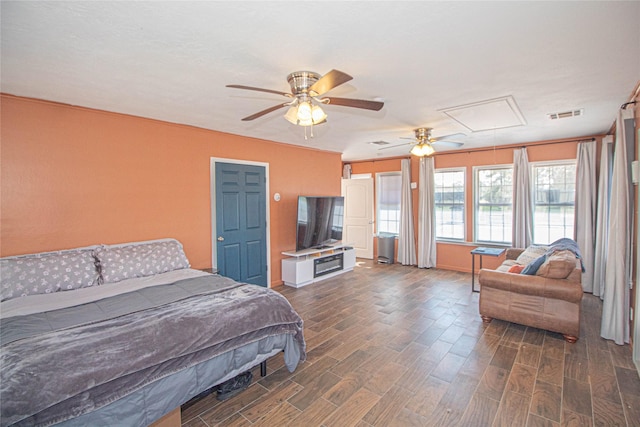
(566, 114)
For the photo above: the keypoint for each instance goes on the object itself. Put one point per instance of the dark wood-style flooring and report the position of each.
(389, 345)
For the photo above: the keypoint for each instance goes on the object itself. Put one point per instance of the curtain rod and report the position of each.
(515, 146)
(626, 104)
(503, 147)
(553, 142)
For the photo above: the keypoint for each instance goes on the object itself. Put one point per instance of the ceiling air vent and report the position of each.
(378, 143)
(566, 114)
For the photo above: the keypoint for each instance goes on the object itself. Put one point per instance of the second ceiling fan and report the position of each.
(422, 143)
(307, 89)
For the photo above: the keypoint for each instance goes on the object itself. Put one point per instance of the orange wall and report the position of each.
(456, 256)
(73, 176)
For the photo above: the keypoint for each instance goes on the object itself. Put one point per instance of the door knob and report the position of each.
(220, 239)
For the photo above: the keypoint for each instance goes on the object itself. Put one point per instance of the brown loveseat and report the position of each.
(533, 300)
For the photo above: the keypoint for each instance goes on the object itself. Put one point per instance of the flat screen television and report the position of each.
(319, 222)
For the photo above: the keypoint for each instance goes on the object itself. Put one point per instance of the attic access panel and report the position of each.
(491, 114)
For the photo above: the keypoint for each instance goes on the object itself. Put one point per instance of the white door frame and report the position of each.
(369, 252)
(212, 195)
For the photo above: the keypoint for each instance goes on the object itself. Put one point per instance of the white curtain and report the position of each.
(522, 204)
(585, 209)
(406, 242)
(346, 171)
(427, 214)
(602, 219)
(615, 306)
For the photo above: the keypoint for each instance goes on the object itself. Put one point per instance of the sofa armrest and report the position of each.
(531, 285)
(513, 253)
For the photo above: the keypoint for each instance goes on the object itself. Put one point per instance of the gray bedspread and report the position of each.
(80, 358)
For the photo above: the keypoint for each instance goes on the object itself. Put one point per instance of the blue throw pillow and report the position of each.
(532, 268)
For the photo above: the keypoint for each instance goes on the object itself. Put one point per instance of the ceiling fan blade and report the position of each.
(356, 103)
(396, 146)
(444, 143)
(263, 112)
(288, 95)
(453, 135)
(330, 80)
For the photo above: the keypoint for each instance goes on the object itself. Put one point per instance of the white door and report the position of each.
(358, 215)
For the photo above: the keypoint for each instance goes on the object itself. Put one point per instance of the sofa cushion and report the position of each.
(531, 254)
(558, 265)
(506, 265)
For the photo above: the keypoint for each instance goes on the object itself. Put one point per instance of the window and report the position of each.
(493, 204)
(388, 191)
(554, 189)
(449, 203)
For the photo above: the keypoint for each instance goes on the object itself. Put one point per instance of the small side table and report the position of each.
(496, 252)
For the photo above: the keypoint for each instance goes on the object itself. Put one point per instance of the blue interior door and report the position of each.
(241, 222)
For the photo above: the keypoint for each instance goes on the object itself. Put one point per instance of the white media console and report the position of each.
(312, 265)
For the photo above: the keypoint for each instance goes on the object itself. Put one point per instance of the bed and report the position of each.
(131, 337)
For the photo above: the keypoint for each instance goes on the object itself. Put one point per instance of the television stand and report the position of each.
(323, 247)
(312, 265)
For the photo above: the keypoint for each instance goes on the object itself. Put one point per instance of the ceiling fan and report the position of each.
(422, 143)
(306, 90)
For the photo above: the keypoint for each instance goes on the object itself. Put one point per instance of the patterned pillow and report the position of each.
(531, 254)
(120, 262)
(46, 273)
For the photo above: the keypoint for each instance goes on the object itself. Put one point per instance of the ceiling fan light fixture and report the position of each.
(318, 115)
(292, 115)
(422, 150)
(304, 111)
(305, 114)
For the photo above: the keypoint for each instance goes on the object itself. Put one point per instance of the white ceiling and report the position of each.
(171, 61)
